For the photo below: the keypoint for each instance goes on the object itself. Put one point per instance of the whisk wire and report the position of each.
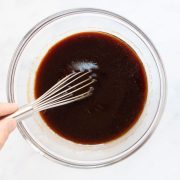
(65, 95)
(55, 97)
(63, 102)
(54, 88)
(59, 86)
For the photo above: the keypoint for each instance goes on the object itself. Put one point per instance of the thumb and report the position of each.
(6, 127)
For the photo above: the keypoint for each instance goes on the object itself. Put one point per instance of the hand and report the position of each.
(6, 125)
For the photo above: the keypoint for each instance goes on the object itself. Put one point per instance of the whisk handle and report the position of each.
(21, 113)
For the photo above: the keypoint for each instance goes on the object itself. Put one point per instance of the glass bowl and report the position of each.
(28, 56)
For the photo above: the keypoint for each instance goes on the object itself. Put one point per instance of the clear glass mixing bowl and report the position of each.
(29, 54)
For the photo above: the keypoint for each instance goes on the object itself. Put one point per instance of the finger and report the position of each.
(9, 124)
(6, 127)
(7, 108)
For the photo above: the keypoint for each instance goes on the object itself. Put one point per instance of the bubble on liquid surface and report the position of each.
(84, 66)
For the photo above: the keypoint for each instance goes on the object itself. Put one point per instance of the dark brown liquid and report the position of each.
(119, 95)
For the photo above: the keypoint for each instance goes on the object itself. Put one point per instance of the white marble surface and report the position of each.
(159, 158)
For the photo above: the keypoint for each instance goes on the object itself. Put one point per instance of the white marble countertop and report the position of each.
(159, 158)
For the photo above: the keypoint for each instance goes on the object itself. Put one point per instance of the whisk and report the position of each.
(65, 91)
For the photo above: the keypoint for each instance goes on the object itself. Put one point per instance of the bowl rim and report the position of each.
(144, 137)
